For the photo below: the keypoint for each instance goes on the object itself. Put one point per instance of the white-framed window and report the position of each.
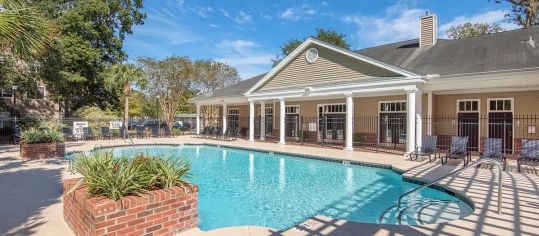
(500, 104)
(468, 105)
(332, 108)
(392, 106)
(269, 110)
(233, 111)
(291, 109)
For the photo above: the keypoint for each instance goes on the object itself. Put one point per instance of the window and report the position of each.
(6, 93)
(269, 110)
(233, 111)
(505, 105)
(468, 105)
(291, 109)
(333, 109)
(394, 106)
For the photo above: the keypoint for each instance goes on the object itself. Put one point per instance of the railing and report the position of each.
(399, 202)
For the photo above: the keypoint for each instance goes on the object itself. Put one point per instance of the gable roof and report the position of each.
(345, 52)
(234, 90)
(495, 52)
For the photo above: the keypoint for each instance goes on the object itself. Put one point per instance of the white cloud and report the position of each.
(293, 14)
(160, 27)
(203, 12)
(240, 19)
(214, 26)
(245, 56)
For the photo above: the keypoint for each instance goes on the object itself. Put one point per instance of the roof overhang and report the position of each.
(310, 42)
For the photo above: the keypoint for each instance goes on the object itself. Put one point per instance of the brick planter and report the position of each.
(158, 212)
(34, 151)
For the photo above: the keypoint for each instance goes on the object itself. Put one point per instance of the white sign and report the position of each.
(78, 128)
(312, 127)
(115, 124)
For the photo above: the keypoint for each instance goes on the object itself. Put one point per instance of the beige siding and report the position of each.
(330, 67)
(525, 102)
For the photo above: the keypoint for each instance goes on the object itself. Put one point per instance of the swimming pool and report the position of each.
(243, 187)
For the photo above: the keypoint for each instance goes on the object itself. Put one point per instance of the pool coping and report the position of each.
(440, 187)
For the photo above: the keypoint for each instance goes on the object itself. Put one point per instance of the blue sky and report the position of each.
(248, 34)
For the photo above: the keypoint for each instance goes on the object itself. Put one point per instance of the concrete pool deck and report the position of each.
(31, 195)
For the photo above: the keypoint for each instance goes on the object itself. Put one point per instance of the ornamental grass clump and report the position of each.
(117, 177)
(42, 136)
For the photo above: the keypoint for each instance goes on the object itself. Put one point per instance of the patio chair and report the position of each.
(87, 133)
(155, 132)
(217, 132)
(458, 150)
(68, 134)
(529, 154)
(428, 148)
(229, 134)
(494, 150)
(105, 132)
(140, 132)
(166, 132)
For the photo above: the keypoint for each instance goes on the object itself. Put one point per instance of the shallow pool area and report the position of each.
(244, 187)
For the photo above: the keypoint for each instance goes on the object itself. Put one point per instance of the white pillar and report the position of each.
(198, 119)
(262, 120)
(251, 121)
(281, 120)
(349, 123)
(225, 113)
(429, 112)
(419, 118)
(410, 120)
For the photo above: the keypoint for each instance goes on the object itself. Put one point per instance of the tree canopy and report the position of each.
(469, 30)
(326, 35)
(524, 13)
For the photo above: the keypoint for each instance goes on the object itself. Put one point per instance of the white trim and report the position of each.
(512, 99)
(313, 49)
(391, 101)
(469, 100)
(232, 109)
(311, 41)
(331, 104)
(290, 106)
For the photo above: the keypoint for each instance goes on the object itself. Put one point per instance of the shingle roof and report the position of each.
(237, 89)
(500, 51)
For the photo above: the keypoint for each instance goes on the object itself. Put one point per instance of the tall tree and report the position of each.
(170, 78)
(211, 75)
(524, 13)
(91, 34)
(469, 30)
(327, 35)
(120, 78)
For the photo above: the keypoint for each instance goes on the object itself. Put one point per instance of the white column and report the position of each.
(198, 119)
(251, 121)
(429, 112)
(225, 113)
(419, 118)
(281, 120)
(410, 120)
(262, 120)
(349, 122)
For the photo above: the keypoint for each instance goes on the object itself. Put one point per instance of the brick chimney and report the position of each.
(428, 30)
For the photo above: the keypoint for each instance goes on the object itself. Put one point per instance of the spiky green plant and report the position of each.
(38, 136)
(171, 171)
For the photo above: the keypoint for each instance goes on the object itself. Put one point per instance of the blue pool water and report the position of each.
(239, 187)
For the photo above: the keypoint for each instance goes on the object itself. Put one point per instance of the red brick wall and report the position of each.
(158, 212)
(34, 151)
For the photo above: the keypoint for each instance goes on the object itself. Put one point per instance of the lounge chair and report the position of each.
(494, 150)
(140, 132)
(155, 132)
(87, 133)
(529, 154)
(229, 134)
(428, 148)
(458, 150)
(105, 132)
(217, 132)
(68, 134)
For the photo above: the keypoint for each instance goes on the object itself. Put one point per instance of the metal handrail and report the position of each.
(457, 171)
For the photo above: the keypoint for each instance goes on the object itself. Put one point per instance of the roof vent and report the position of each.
(428, 30)
(531, 42)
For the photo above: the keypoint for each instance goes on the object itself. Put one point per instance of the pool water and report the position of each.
(239, 187)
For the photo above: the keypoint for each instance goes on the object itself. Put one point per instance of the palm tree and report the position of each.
(24, 31)
(122, 77)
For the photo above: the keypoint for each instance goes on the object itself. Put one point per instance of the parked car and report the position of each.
(148, 124)
(177, 125)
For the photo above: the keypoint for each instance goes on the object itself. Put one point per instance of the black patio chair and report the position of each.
(529, 154)
(68, 134)
(217, 132)
(87, 133)
(105, 132)
(229, 134)
(140, 131)
(428, 148)
(494, 150)
(155, 132)
(458, 150)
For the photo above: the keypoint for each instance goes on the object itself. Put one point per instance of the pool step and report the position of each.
(422, 212)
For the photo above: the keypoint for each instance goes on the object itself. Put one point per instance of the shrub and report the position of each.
(176, 132)
(38, 136)
(117, 177)
(51, 125)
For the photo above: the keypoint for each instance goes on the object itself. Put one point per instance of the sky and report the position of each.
(248, 34)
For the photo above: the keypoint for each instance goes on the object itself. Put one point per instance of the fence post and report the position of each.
(301, 129)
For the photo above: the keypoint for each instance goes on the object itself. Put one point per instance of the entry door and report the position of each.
(332, 126)
(292, 124)
(500, 125)
(269, 124)
(468, 126)
(233, 122)
(393, 128)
